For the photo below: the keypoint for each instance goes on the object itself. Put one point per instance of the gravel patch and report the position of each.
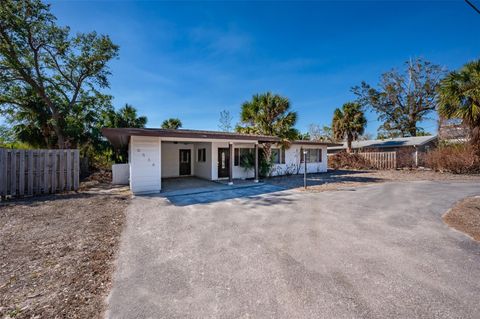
(342, 179)
(465, 217)
(57, 254)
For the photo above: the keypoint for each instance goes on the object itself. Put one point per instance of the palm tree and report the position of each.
(172, 123)
(268, 114)
(459, 97)
(348, 123)
(127, 117)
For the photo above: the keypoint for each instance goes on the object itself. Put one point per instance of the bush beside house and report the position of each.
(455, 158)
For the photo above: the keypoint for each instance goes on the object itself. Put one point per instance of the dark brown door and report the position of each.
(185, 162)
(223, 162)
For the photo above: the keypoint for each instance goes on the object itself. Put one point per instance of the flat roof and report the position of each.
(120, 136)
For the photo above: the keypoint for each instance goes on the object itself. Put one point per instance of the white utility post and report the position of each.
(305, 169)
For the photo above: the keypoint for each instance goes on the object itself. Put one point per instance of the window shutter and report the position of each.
(282, 159)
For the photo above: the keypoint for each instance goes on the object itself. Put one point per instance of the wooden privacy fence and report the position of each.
(32, 172)
(381, 160)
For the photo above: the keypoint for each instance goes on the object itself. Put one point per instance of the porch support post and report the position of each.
(256, 163)
(232, 161)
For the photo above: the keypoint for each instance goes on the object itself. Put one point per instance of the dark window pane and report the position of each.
(246, 156)
(201, 155)
(275, 156)
(236, 157)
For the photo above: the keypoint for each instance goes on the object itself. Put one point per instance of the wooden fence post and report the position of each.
(61, 169)
(69, 170)
(76, 169)
(3, 175)
(46, 178)
(30, 173)
(38, 178)
(21, 173)
(13, 172)
(54, 171)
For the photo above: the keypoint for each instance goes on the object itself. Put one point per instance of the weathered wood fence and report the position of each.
(381, 160)
(32, 172)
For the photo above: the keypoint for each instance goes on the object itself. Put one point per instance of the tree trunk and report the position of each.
(349, 143)
(412, 127)
(57, 127)
(267, 151)
(60, 137)
(475, 138)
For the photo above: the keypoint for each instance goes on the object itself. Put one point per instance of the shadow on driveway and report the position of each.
(221, 194)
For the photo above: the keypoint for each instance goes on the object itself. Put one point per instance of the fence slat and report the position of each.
(30, 173)
(61, 170)
(21, 172)
(5, 172)
(3, 177)
(13, 172)
(69, 170)
(54, 171)
(37, 175)
(380, 160)
(46, 175)
(76, 169)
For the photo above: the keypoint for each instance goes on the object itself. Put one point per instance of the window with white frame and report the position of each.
(202, 155)
(314, 155)
(278, 156)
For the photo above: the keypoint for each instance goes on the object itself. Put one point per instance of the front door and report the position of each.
(223, 162)
(185, 162)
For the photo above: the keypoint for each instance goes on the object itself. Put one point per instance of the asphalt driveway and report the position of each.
(378, 251)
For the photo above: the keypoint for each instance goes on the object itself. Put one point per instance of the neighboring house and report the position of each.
(162, 153)
(452, 130)
(409, 150)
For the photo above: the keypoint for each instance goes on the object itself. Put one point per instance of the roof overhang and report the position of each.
(315, 143)
(121, 136)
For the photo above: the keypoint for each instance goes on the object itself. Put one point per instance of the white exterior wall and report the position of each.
(145, 166)
(293, 162)
(203, 169)
(238, 172)
(171, 158)
(120, 174)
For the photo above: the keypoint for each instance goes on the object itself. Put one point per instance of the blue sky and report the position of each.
(192, 60)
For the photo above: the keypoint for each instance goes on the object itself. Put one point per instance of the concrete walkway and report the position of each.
(379, 251)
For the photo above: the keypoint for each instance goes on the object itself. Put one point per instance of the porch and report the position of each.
(209, 161)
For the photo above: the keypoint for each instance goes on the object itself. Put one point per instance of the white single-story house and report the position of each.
(163, 153)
